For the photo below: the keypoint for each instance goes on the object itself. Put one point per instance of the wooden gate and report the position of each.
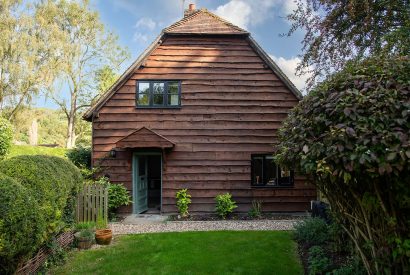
(92, 201)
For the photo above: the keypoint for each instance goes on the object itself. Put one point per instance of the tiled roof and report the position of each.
(203, 22)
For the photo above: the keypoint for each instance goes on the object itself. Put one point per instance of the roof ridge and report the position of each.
(193, 15)
(183, 20)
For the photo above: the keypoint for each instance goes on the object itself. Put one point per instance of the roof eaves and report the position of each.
(123, 78)
(275, 68)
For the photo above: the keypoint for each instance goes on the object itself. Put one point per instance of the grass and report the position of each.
(17, 150)
(221, 252)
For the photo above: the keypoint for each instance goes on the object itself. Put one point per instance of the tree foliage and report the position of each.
(85, 48)
(339, 31)
(351, 134)
(27, 65)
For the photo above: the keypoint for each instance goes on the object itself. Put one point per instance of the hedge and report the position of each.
(50, 179)
(22, 226)
(51, 182)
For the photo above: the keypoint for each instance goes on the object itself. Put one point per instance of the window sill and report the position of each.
(158, 107)
(272, 186)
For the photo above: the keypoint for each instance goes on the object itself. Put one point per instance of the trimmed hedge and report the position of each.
(51, 183)
(21, 224)
(50, 179)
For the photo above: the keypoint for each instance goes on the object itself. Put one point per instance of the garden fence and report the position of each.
(92, 201)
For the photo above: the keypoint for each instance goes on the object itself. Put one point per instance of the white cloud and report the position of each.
(288, 66)
(236, 12)
(140, 37)
(245, 13)
(146, 22)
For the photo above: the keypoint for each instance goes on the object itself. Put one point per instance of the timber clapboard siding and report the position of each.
(232, 104)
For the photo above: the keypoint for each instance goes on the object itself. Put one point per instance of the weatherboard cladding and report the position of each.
(232, 105)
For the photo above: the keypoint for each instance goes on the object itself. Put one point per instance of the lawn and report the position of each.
(17, 150)
(221, 252)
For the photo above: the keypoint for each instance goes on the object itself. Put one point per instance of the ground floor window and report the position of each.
(265, 173)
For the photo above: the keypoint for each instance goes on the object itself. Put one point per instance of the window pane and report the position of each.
(285, 177)
(158, 99)
(270, 175)
(143, 100)
(257, 167)
(173, 100)
(143, 87)
(158, 88)
(173, 88)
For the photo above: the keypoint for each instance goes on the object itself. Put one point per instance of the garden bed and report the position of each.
(237, 217)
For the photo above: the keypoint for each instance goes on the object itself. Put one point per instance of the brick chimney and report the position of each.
(191, 9)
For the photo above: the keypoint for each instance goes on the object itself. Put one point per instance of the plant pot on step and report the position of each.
(103, 236)
(83, 242)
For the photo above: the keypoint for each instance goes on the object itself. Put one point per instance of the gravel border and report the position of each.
(183, 226)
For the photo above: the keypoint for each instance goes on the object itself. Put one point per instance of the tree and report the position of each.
(85, 47)
(26, 64)
(351, 134)
(339, 31)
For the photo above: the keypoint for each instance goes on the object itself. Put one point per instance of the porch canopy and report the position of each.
(144, 138)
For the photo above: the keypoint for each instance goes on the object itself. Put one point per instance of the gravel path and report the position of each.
(180, 226)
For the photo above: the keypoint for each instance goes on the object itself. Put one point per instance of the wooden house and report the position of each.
(199, 109)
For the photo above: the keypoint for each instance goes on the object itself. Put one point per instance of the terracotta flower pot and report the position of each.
(103, 236)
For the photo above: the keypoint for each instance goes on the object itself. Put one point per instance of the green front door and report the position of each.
(140, 184)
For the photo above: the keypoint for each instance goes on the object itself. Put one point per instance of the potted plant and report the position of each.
(103, 235)
(85, 234)
(84, 238)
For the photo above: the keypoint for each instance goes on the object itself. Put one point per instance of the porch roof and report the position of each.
(144, 138)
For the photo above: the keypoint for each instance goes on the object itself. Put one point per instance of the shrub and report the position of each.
(224, 205)
(51, 181)
(6, 137)
(312, 231)
(351, 133)
(80, 156)
(318, 262)
(21, 224)
(117, 196)
(183, 202)
(256, 209)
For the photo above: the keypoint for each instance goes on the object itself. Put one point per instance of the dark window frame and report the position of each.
(151, 95)
(280, 181)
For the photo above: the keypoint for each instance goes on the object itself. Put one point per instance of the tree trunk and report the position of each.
(71, 121)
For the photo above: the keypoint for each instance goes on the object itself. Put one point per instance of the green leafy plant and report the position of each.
(80, 156)
(101, 221)
(318, 262)
(183, 202)
(224, 205)
(51, 181)
(87, 234)
(6, 136)
(350, 133)
(117, 196)
(22, 225)
(312, 231)
(256, 209)
(84, 225)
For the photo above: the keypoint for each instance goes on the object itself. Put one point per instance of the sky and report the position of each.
(138, 22)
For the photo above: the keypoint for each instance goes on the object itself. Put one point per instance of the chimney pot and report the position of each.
(190, 10)
(191, 7)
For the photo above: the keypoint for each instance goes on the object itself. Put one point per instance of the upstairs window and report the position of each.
(265, 173)
(158, 94)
